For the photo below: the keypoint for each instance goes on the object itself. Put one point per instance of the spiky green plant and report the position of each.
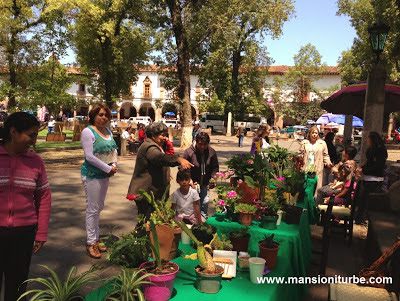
(156, 245)
(126, 285)
(56, 290)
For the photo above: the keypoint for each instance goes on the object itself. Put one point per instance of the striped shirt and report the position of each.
(25, 197)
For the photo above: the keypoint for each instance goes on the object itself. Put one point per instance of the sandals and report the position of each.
(93, 251)
(101, 246)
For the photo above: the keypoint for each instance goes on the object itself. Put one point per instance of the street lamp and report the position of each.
(378, 34)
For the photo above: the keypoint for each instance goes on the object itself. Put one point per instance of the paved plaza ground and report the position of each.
(66, 242)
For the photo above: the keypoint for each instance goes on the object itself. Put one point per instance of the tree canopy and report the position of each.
(357, 61)
(295, 94)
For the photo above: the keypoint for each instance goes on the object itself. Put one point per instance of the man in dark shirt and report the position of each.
(205, 161)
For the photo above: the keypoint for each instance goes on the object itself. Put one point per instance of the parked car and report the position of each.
(172, 123)
(146, 120)
(76, 118)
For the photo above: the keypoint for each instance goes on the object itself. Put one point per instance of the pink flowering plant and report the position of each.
(227, 198)
(220, 178)
(267, 207)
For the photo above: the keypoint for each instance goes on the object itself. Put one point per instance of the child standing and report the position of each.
(186, 200)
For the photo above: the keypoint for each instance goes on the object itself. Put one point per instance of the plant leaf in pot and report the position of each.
(246, 212)
(208, 274)
(166, 271)
(269, 250)
(240, 239)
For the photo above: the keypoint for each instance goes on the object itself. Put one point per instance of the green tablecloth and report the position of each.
(309, 202)
(293, 258)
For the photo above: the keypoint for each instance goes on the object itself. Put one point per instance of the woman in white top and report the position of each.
(315, 153)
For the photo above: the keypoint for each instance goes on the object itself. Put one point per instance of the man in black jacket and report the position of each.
(205, 161)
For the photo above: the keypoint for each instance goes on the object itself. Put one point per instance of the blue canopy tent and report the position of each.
(170, 114)
(339, 119)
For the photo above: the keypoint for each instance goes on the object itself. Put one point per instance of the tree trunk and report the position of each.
(183, 69)
(107, 77)
(236, 108)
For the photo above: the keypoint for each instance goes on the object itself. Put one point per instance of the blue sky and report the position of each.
(316, 23)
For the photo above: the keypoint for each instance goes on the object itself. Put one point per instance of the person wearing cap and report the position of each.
(196, 130)
(152, 169)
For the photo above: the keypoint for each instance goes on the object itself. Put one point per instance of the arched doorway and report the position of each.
(194, 113)
(147, 110)
(127, 110)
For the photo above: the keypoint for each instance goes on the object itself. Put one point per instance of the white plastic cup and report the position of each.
(257, 266)
(278, 222)
(184, 237)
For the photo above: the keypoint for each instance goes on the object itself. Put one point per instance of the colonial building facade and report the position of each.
(148, 96)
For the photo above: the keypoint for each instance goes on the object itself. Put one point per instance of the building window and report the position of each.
(147, 90)
(82, 88)
(147, 87)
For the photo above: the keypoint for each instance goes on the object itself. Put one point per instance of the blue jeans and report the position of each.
(241, 140)
(204, 198)
(51, 129)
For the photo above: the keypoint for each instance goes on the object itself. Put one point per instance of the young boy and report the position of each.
(186, 200)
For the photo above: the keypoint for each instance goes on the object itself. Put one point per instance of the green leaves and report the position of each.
(127, 285)
(57, 290)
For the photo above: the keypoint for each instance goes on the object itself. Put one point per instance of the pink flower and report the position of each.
(222, 175)
(280, 179)
(214, 177)
(221, 203)
(230, 172)
(231, 194)
(250, 161)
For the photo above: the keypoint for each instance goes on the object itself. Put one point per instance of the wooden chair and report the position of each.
(323, 234)
(345, 212)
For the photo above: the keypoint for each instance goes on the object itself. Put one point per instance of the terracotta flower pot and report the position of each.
(246, 218)
(239, 243)
(270, 255)
(169, 241)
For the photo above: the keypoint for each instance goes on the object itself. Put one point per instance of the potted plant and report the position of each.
(269, 251)
(55, 289)
(164, 218)
(240, 239)
(129, 251)
(126, 285)
(226, 201)
(204, 232)
(267, 209)
(208, 274)
(246, 212)
(161, 285)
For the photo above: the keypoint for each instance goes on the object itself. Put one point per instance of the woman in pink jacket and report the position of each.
(25, 201)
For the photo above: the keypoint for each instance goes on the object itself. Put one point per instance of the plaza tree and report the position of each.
(30, 31)
(234, 60)
(47, 86)
(182, 27)
(295, 95)
(111, 41)
(357, 61)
